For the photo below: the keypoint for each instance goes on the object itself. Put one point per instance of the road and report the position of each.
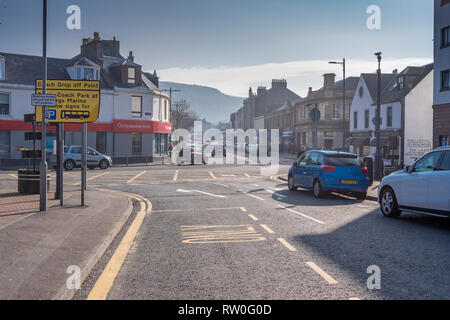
(225, 232)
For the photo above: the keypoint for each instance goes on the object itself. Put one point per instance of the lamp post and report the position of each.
(378, 157)
(343, 99)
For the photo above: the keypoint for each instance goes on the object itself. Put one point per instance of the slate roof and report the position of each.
(26, 69)
(351, 83)
(412, 77)
(371, 80)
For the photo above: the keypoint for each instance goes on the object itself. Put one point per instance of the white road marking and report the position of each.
(275, 193)
(251, 195)
(300, 214)
(202, 192)
(322, 273)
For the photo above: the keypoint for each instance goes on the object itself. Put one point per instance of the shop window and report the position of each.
(4, 104)
(136, 143)
(100, 144)
(4, 144)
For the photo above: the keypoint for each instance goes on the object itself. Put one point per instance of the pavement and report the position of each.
(41, 251)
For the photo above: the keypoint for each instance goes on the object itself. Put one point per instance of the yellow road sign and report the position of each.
(76, 100)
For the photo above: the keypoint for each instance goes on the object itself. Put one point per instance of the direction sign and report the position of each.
(77, 101)
(43, 100)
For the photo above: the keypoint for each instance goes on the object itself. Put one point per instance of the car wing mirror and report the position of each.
(295, 164)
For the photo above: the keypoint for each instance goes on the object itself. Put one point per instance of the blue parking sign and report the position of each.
(51, 114)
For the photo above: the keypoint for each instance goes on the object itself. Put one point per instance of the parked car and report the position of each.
(72, 158)
(421, 188)
(329, 171)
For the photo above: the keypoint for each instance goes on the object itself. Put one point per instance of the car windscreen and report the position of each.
(342, 160)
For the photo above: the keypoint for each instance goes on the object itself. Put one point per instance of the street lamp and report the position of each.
(378, 158)
(343, 99)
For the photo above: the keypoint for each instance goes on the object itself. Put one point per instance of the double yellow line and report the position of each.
(106, 280)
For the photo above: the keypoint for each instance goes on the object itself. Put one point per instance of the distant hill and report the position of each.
(209, 103)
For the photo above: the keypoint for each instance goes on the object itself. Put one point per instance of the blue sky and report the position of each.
(232, 44)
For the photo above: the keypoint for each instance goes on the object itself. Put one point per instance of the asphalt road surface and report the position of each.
(225, 232)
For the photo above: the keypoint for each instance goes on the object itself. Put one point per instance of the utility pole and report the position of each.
(343, 101)
(43, 165)
(378, 157)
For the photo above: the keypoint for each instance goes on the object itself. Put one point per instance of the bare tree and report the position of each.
(182, 115)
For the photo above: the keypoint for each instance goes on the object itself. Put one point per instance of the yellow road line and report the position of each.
(286, 244)
(354, 298)
(13, 175)
(99, 175)
(106, 280)
(243, 209)
(322, 273)
(212, 175)
(266, 228)
(253, 217)
(136, 176)
(247, 175)
(175, 176)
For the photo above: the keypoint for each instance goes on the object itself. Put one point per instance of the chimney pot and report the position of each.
(130, 56)
(96, 36)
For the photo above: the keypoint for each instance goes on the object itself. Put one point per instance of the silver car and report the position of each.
(72, 158)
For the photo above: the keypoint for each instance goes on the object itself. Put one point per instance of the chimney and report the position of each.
(261, 91)
(279, 84)
(329, 79)
(309, 89)
(395, 71)
(250, 92)
(93, 49)
(130, 56)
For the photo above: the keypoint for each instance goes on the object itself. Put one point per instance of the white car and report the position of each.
(421, 188)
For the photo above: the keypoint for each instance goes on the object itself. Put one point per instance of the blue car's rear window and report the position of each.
(342, 160)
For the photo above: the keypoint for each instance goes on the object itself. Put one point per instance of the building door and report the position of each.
(100, 143)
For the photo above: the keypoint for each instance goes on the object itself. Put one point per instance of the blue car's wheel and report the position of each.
(291, 184)
(317, 189)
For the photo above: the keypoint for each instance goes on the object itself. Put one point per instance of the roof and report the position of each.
(412, 76)
(371, 80)
(26, 69)
(351, 83)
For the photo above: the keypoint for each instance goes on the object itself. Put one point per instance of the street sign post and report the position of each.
(76, 101)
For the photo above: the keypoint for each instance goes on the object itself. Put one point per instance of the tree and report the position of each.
(182, 115)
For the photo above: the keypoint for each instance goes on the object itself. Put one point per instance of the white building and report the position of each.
(134, 117)
(441, 107)
(406, 127)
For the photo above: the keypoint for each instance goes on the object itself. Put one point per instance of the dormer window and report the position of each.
(2, 69)
(401, 83)
(131, 75)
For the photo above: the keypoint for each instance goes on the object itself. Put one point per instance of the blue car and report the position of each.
(329, 171)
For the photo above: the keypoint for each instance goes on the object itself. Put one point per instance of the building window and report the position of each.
(401, 83)
(165, 110)
(4, 144)
(101, 142)
(2, 69)
(136, 106)
(355, 120)
(336, 112)
(131, 76)
(445, 83)
(361, 92)
(366, 118)
(389, 117)
(445, 37)
(4, 104)
(443, 141)
(136, 143)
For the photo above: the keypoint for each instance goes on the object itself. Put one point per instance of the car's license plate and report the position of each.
(348, 181)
